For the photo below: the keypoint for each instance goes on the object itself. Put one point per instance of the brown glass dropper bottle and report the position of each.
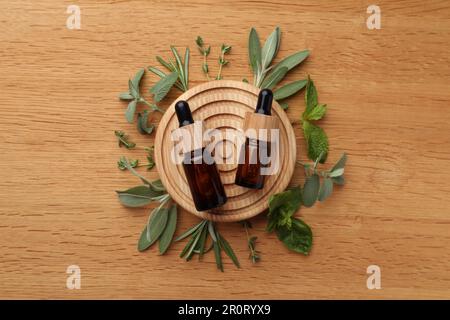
(248, 172)
(203, 178)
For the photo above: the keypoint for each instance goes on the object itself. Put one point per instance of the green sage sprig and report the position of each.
(197, 243)
(267, 75)
(313, 190)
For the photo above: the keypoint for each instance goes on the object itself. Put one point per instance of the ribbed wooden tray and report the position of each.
(222, 104)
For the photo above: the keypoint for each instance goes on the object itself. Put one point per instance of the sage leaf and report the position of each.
(228, 250)
(163, 86)
(157, 224)
(289, 89)
(298, 238)
(138, 196)
(339, 180)
(157, 185)
(336, 173)
(325, 189)
(341, 162)
(282, 206)
(274, 78)
(316, 113)
(291, 61)
(137, 78)
(143, 242)
(217, 255)
(169, 230)
(254, 51)
(316, 140)
(125, 96)
(142, 120)
(270, 48)
(131, 110)
(311, 190)
(134, 91)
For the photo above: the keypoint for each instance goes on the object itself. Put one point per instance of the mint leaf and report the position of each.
(282, 206)
(298, 238)
(311, 98)
(316, 113)
(316, 140)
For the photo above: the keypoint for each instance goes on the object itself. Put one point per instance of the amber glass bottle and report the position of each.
(248, 172)
(203, 178)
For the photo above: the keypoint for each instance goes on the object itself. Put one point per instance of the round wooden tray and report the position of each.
(222, 104)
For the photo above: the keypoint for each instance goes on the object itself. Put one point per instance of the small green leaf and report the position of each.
(123, 140)
(134, 91)
(189, 232)
(291, 61)
(134, 172)
(169, 230)
(316, 140)
(339, 180)
(298, 238)
(199, 42)
(125, 96)
(289, 89)
(142, 120)
(137, 78)
(316, 113)
(202, 242)
(167, 65)
(129, 113)
(341, 162)
(284, 105)
(270, 48)
(311, 190)
(163, 86)
(158, 72)
(274, 78)
(311, 98)
(122, 165)
(143, 242)
(228, 250)
(211, 230)
(336, 173)
(254, 51)
(325, 189)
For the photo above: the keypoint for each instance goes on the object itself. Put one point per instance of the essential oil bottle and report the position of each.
(203, 178)
(248, 172)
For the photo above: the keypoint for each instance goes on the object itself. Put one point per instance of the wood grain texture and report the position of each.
(222, 105)
(388, 96)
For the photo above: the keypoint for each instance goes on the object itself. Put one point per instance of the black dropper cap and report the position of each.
(183, 112)
(264, 105)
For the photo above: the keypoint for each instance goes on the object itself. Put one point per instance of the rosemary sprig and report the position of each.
(197, 243)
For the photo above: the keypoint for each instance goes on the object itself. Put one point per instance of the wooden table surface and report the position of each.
(388, 96)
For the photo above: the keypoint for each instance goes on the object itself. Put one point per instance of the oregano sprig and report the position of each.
(224, 49)
(251, 242)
